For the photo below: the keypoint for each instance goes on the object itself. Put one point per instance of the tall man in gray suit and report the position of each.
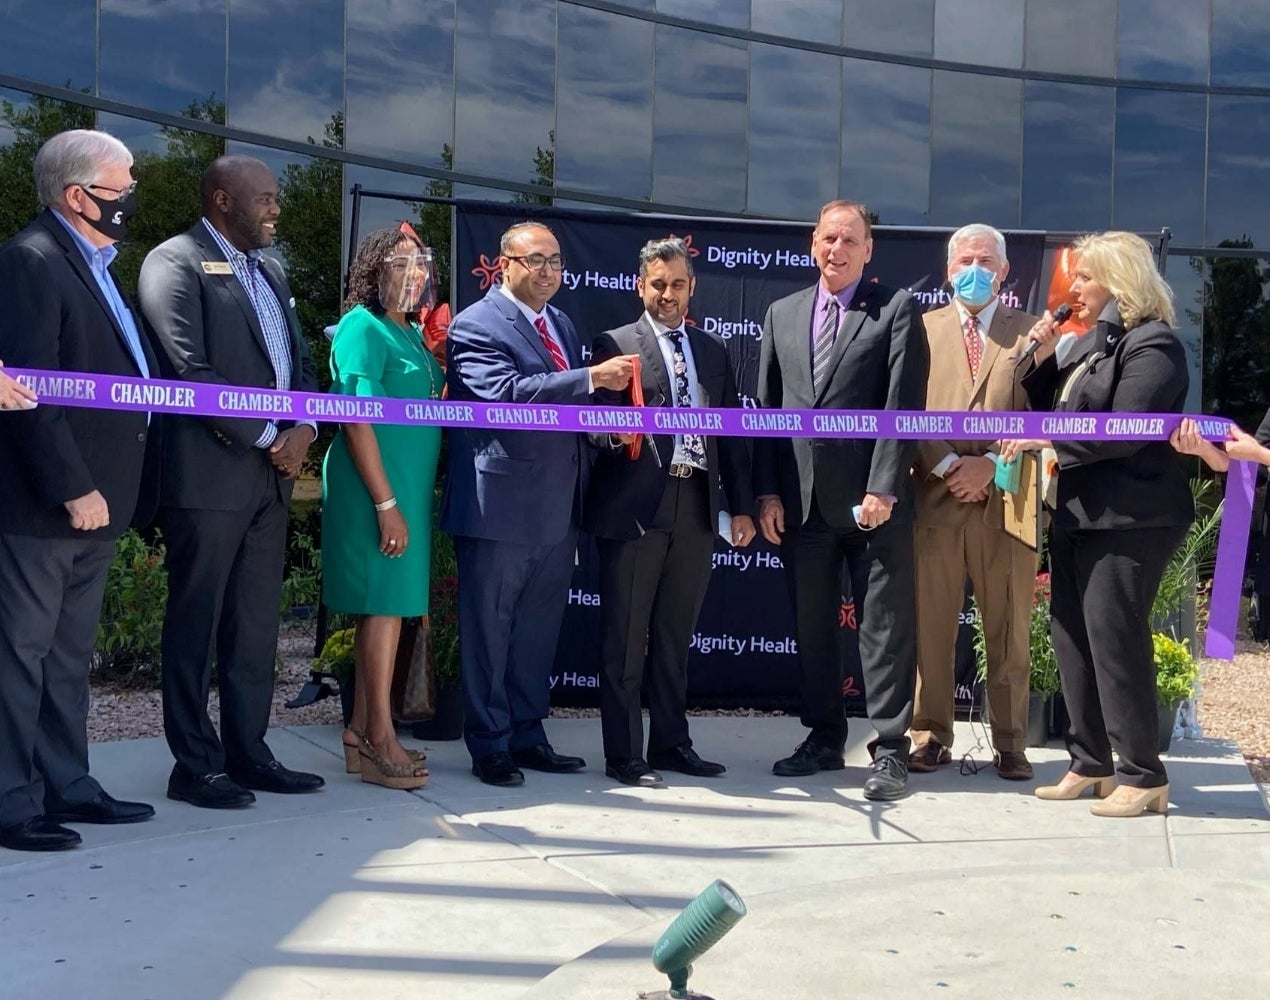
(223, 315)
(845, 344)
(70, 482)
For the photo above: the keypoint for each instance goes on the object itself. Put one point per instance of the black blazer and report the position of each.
(880, 361)
(1118, 484)
(206, 330)
(56, 318)
(624, 494)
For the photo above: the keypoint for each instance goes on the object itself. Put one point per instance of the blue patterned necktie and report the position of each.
(694, 445)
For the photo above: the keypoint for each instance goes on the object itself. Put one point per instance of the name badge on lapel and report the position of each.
(217, 267)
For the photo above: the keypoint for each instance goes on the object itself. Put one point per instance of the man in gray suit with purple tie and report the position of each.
(834, 503)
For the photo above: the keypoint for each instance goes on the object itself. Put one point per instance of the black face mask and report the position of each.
(113, 223)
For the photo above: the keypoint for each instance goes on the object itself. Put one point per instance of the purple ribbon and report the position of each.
(112, 392)
(1228, 572)
(199, 399)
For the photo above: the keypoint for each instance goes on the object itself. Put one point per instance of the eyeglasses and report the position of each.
(400, 262)
(117, 192)
(536, 261)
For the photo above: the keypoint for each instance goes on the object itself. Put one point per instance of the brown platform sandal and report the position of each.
(376, 770)
(353, 760)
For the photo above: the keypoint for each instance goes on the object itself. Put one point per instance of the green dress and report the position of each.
(373, 356)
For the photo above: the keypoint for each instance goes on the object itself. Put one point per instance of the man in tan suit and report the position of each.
(974, 344)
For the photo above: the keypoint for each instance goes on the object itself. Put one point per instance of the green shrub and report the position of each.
(1044, 673)
(443, 606)
(1191, 563)
(131, 623)
(1175, 669)
(336, 657)
(302, 584)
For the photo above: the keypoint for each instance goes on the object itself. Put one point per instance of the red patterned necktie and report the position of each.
(974, 348)
(549, 342)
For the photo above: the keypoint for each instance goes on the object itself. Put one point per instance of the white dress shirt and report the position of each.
(545, 316)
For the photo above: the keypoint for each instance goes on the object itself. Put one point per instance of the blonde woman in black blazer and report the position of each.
(1123, 508)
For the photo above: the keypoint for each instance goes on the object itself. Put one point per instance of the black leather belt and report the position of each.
(682, 470)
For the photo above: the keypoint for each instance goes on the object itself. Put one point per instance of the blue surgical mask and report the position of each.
(973, 285)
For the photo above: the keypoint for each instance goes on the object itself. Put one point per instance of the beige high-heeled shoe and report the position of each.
(1127, 801)
(353, 759)
(1073, 789)
(377, 770)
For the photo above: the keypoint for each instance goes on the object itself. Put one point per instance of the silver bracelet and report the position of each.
(388, 504)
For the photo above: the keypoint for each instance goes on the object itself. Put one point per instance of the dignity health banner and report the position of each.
(744, 652)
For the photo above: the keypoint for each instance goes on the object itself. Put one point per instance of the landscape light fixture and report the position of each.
(695, 931)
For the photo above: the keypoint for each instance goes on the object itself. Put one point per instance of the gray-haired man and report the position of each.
(70, 486)
(654, 518)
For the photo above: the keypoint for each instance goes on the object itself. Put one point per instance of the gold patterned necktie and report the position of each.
(974, 347)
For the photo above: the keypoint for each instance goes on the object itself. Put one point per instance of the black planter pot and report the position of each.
(1038, 719)
(447, 724)
(1168, 715)
(346, 698)
(1059, 718)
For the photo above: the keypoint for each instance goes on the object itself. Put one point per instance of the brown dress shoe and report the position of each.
(929, 756)
(1013, 765)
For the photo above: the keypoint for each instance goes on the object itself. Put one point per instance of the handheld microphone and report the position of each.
(1061, 315)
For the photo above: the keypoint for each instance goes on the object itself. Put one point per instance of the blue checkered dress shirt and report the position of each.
(273, 322)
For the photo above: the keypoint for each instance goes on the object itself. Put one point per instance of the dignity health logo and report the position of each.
(489, 272)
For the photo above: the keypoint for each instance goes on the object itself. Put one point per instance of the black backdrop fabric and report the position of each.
(743, 653)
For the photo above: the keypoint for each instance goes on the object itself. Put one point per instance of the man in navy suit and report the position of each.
(513, 502)
(71, 481)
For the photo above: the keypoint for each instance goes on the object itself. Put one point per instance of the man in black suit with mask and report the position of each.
(654, 518)
(845, 344)
(71, 480)
(223, 315)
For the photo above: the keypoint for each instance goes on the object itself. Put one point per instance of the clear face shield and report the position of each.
(408, 281)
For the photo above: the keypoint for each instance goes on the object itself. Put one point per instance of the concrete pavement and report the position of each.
(969, 887)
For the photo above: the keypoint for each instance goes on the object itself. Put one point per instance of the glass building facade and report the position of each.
(1063, 115)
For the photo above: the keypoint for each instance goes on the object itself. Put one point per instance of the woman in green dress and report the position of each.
(377, 487)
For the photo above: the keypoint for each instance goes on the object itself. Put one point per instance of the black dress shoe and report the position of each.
(102, 809)
(273, 777)
(543, 758)
(213, 790)
(633, 771)
(889, 779)
(685, 760)
(498, 769)
(808, 759)
(39, 833)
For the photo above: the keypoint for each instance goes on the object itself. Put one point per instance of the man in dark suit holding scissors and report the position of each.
(654, 520)
(513, 502)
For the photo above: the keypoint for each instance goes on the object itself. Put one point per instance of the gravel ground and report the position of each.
(1234, 701)
(121, 714)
